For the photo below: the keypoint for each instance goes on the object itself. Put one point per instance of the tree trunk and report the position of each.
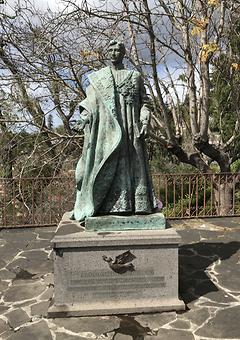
(223, 196)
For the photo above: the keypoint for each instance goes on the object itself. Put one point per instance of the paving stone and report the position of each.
(48, 294)
(65, 336)
(26, 303)
(213, 304)
(123, 337)
(33, 266)
(224, 325)
(36, 331)
(2, 240)
(210, 291)
(20, 293)
(10, 250)
(180, 324)
(96, 325)
(6, 274)
(2, 264)
(198, 316)
(3, 286)
(35, 254)
(229, 272)
(185, 250)
(17, 282)
(211, 235)
(3, 326)
(6, 335)
(189, 236)
(16, 235)
(17, 317)
(3, 309)
(155, 320)
(167, 334)
(38, 244)
(192, 263)
(40, 308)
(225, 222)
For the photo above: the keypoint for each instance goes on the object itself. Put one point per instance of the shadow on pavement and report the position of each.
(194, 259)
(129, 326)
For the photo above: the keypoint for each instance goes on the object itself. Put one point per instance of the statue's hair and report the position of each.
(119, 43)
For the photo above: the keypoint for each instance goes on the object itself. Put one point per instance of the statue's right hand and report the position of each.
(82, 123)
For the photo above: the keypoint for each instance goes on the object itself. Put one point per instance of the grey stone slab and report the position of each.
(26, 303)
(189, 236)
(133, 222)
(229, 272)
(38, 244)
(17, 317)
(209, 303)
(32, 266)
(226, 222)
(6, 274)
(96, 325)
(35, 254)
(154, 321)
(25, 292)
(36, 331)
(65, 336)
(180, 324)
(224, 325)
(197, 316)
(167, 334)
(40, 308)
(17, 235)
(48, 294)
(3, 286)
(6, 335)
(10, 250)
(86, 284)
(210, 291)
(2, 264)
(3, 309)
(3, 326)
(123, 337)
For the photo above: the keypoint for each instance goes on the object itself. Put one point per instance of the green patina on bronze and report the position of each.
(112, 175)
(107, 223)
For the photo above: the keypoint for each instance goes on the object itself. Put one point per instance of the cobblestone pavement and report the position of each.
(209, 285)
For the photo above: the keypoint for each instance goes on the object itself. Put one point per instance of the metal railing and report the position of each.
(42, 201)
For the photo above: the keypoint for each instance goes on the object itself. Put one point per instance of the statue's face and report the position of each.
(115, 54)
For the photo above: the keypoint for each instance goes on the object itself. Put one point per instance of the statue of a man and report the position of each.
(112, 175)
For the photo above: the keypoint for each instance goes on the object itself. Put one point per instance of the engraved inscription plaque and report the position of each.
(107, 284)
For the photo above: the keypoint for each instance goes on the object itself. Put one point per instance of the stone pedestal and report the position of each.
(116, 273)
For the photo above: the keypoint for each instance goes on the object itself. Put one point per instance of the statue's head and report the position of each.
(116, 51)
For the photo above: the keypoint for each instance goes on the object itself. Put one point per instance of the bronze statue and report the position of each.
(112, 175)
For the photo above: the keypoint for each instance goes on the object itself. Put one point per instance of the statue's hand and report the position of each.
(144, 130)
(80, 125)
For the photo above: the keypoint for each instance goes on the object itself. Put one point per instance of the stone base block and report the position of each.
(116, 273)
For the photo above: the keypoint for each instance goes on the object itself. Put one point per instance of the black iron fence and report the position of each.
(42, 201)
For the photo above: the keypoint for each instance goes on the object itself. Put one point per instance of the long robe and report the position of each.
(112, 175)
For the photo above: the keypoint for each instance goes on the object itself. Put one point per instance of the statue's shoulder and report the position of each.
(97, 75)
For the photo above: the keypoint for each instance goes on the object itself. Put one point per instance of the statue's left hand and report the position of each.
(144, 130)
